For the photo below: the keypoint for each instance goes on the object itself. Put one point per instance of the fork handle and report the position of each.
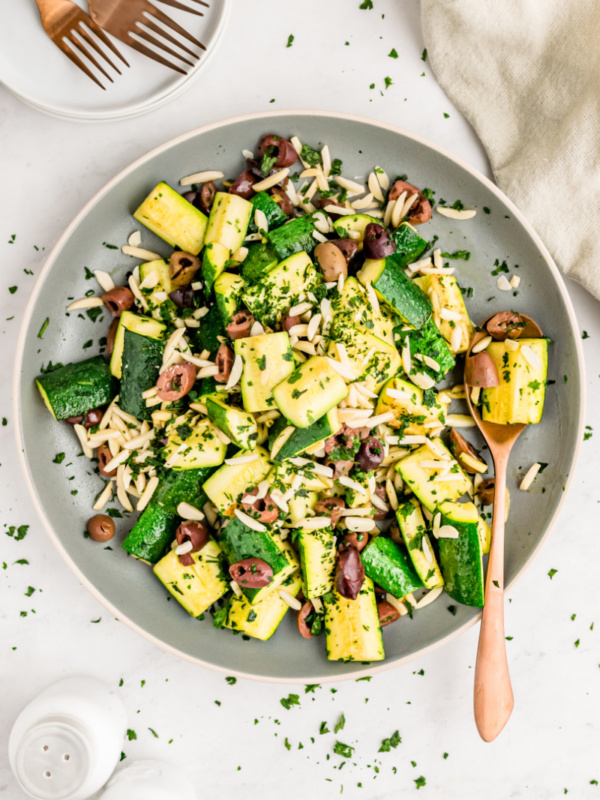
(493, 696)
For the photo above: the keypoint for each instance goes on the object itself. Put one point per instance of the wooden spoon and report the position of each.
(493, 696)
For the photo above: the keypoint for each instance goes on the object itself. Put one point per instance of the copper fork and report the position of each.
(133, 20)
(176, 4)
(69, 28)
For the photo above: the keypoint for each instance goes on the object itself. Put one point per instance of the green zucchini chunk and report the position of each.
(317, 559)
(410, 245)
(228, 221)
(197, 586)
(420, 469)
(214, 261)
(352, 626)
(182, 486)
(460, 559)
(522, 391)
(393, 287)
(303, 438)
(353, 224)
(295, 236)
(237, 424)
(268, 360)
(414, 532)
(228, 293)
(206, 337)
(228, 484)
(310, 392)
(151, 536)
(138, 323)
(275, 293)
(260, 259)
(272, 211)
(388, 567)
(167, 214)
(238, 542)
(428, 341)
(261, 620)
(75, 389)
(142, 360)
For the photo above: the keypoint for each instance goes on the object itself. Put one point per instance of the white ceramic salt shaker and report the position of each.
(67, 742)
(149, 780)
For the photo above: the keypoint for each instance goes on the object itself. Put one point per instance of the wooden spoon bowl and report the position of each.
(493, 696)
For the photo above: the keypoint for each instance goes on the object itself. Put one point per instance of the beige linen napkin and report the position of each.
(526, 74)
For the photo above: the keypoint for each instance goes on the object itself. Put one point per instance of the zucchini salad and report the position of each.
(270, 407)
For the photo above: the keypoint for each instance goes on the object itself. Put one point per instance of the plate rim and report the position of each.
(26, 322)
(138, 109)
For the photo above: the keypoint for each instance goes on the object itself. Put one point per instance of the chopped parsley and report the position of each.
(341, 749)
(289, 701)
(393, 741)
(310, 155)
(393, 53)
(552, 573)
(43, 328)
(290, 40)
(424, 55)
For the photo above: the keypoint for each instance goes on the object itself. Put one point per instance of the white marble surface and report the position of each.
(552, 743)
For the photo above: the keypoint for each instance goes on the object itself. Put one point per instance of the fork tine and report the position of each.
(175, 4)
(146, 51)
(157, 29)
(86, 52)
(149, 37)
(77, 61)
(82, 31)
(105, 39)
(156, 12)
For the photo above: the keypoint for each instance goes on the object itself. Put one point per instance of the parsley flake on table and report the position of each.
(290, 700)
(231, 681)
(341, 749)
(420, 782)
(388, 82)
(323, 728)
(589, 431)
(340, 724)
(393, 53)
(131, 735)
(393, 741)
(153, 732)
(290, 40)
(366, 4)
(424, 55)
(12, 289)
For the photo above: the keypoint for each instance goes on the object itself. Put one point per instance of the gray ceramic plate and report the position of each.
(127, 588)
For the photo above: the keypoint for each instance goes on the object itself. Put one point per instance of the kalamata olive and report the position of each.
(305, 611)
(370, 454)
(348, 247)
(262, 509)
(486, 491)
(281, 149)
(350, 573)
(339, 467)
(331, 260)
(118, 300)
(377, 242)
(331, 506)
(394, 533)
(460, 447)
(387, 613)
(104, 456)
(510, 325)
(110, 338)
(359, 540)
(380, 513)
(242, 185)
(207, 196)
(195, 532)
(322, 202)
(283, 201)
(289, 321)
(184, 297)
(481, 370)
(93, 417)
(176, 381)
(251, 573)
(420, 211)
(183, 267)
(74, 420)
(191, 197)
(224, 361)
(240, 325)
(100, 528)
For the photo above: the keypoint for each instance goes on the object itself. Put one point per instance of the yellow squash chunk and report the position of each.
(422, 472)
(352, 626)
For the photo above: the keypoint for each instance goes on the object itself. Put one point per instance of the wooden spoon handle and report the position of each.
(493, 697)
